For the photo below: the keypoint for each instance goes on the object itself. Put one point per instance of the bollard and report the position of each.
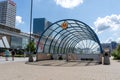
(106, 58)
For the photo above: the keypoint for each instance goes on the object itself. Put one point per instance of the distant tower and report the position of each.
(39, 25)
(8, 13)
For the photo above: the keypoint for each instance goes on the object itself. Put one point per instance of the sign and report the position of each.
(41, 45)
(64, 25)
(11, 2)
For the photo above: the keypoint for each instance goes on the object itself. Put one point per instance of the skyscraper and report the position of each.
(39, 25)
(8, 13)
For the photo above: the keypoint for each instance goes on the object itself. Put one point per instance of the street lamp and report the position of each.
(31, 18)
(30, 56)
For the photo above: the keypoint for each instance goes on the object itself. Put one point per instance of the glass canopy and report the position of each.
(69, 36)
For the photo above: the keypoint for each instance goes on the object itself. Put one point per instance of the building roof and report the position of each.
(2, 26)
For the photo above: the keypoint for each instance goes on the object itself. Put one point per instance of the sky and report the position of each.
(103, 16)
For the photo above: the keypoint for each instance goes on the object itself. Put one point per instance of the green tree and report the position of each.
(116, 53)
(118, 49)
(31, 49)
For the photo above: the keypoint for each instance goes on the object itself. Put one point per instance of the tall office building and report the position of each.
(8, 13)
(39, 25)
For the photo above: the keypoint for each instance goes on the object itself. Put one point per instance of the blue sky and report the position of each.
(102, 15)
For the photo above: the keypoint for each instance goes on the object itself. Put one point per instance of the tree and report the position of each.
(31, 49)
(116, 53)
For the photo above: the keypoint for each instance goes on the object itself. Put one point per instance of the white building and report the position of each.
(8, 13)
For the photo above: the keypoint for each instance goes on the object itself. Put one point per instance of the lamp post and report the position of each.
(31, 18)
(30, 56)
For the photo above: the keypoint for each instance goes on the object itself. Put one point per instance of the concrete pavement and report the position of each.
(18, 70)
(16, 59)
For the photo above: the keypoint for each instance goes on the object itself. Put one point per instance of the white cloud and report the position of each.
(29, 32)
(109, 40)
(104, 23)
(118, 40)
(19, 20)
(68, 3)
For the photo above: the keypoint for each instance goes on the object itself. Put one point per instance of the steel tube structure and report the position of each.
(76, 35)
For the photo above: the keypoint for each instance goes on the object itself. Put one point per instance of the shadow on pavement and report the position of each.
(63, 63)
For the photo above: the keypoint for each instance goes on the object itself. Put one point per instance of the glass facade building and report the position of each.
(16, 42)
(39, 25)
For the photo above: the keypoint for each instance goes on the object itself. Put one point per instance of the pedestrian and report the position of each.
(13, 54)
(7, 53)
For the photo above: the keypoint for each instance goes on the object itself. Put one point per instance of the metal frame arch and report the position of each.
(93, 35)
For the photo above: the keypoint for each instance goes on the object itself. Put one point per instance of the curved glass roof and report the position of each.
(69, 36)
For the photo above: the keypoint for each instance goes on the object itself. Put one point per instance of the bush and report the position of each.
(19, 55)
(116, 53)
(19, 51)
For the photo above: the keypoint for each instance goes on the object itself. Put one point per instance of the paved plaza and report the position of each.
(18, 70)
(2, 60)
(63, 63)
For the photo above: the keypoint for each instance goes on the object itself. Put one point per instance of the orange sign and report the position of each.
(64, 25)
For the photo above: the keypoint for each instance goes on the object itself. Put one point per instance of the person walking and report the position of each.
(7, 53)
(13, 54)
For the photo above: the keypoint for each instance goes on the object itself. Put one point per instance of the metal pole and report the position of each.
(31, 19)
(30, 54)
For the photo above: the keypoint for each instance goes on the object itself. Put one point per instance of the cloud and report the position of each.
(29, 32)
(107, 22)
(109, 40)
(68, 3)
(118, 40)
(19, 20)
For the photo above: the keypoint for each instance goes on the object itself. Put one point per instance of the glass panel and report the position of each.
(46, 49)
(71, 21)
(52, 48)
(16, 42)
(88, 47)
(60, 23)
(48, 32)
(54, 26)
(58, 29)
(74, 25)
